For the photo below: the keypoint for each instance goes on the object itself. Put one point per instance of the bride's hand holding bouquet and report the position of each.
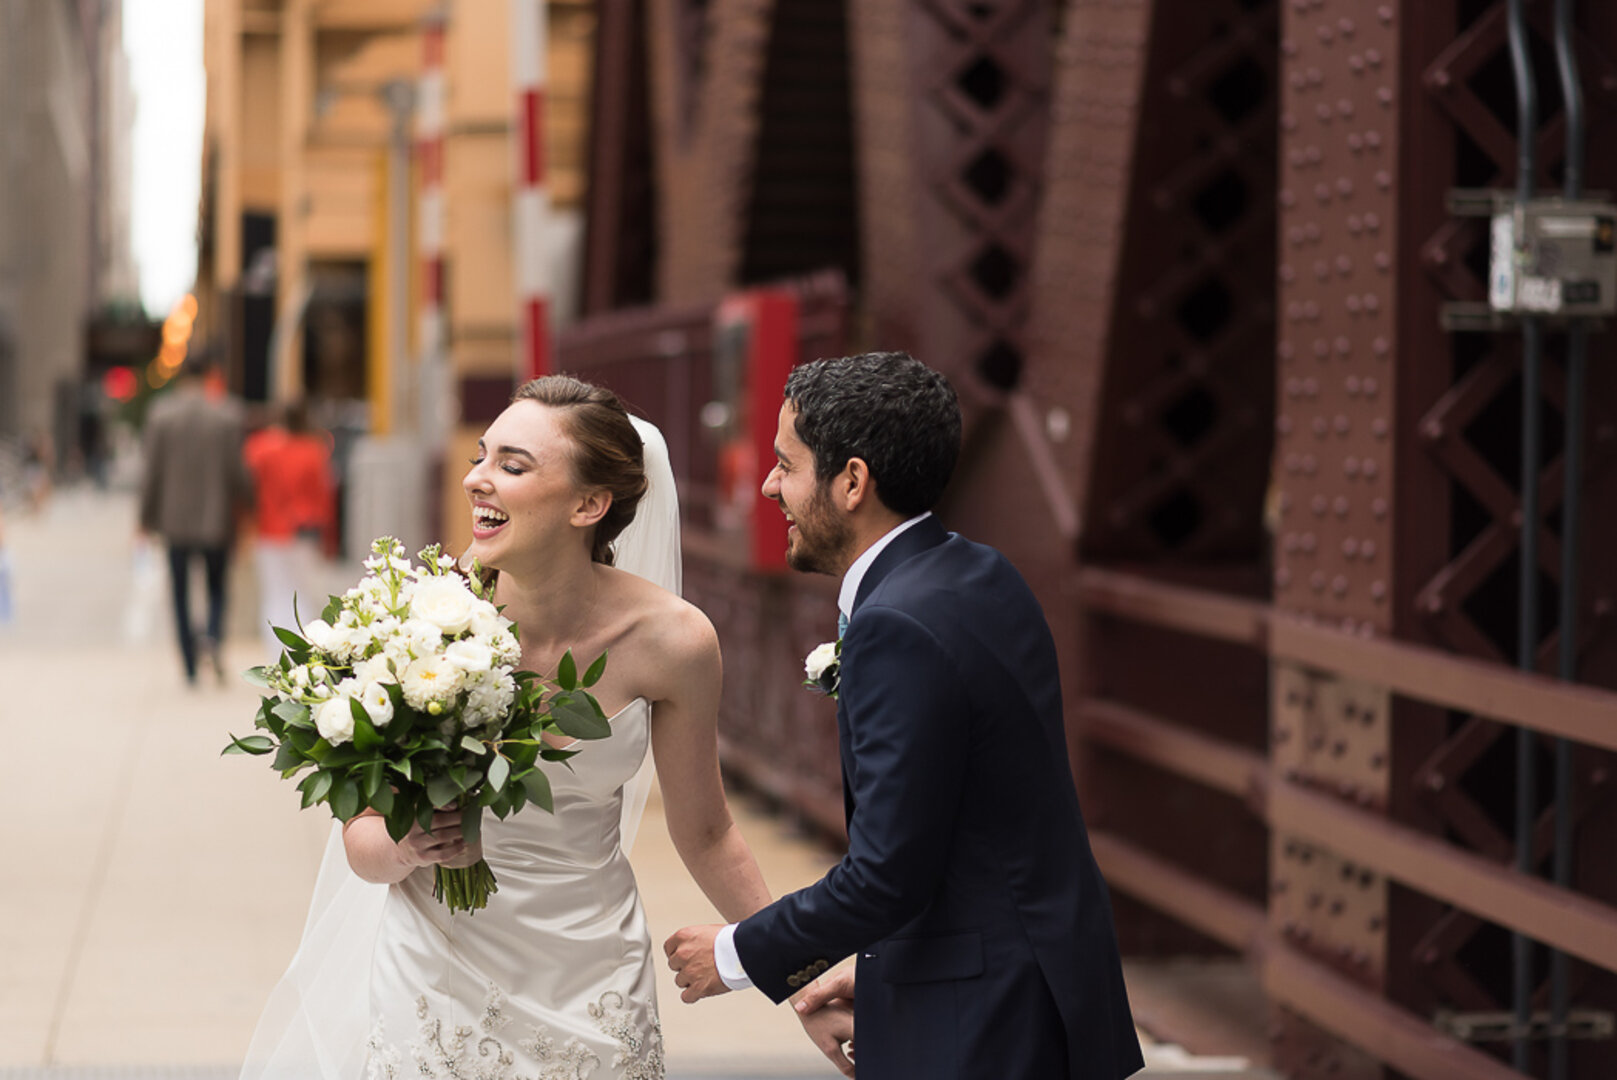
(403, 699)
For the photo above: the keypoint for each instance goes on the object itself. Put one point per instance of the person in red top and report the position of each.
(291, 467)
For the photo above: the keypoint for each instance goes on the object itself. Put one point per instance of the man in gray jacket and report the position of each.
(195, 481)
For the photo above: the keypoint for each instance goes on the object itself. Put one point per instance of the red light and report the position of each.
(118, 383)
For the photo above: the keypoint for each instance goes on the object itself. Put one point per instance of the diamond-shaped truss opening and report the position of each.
(983, 82)
(1495, 433)
(1222, 202)
(1495, 605)
(1494, 82)
(1191, 416)
(1490, 780)
(1240, 91)
(1485, 959)
(1000, 365)
(989, 175)
(1206, 310)
(979, 11)
(1176, 518)
(995, 271)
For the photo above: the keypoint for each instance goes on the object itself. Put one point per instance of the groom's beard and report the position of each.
(821, 540)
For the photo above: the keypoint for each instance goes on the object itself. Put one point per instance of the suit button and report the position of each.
(794, 981)
(820, 966)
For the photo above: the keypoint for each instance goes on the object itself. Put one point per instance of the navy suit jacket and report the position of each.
(983, 927)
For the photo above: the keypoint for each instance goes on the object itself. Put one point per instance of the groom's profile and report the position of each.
(980, 921)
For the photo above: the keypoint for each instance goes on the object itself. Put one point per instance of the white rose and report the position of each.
(334, 719)
(420, 637)
(430, 679)
(377, 704)
(445, 602)
(470, 655)
(821, 658)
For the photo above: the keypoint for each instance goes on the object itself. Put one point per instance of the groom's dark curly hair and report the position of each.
(887, 408)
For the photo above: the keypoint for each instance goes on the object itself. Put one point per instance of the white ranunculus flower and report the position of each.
(445, 602)
(821, 658)
(334, 719)
(470, 655)
(377, 704)
(430, 679)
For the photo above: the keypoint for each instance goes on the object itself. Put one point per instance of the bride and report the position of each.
(554, 979)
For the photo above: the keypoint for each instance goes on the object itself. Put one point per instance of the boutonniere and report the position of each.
(823, 667)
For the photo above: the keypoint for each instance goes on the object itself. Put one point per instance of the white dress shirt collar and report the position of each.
(856, 572)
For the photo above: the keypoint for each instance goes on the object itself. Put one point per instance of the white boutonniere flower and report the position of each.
(823, 667)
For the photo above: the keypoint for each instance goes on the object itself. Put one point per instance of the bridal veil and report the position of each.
(316, 1021)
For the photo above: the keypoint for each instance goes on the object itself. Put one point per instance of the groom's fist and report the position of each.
(690, 954)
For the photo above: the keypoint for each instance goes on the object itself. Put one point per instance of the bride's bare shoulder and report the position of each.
(666, 624)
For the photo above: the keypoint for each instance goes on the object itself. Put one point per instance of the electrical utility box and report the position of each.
(1553, 257)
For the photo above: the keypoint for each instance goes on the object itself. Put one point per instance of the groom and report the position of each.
(982, 926)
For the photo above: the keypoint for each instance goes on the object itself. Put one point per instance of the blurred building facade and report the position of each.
(65, 245)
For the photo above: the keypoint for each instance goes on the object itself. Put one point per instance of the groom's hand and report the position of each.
(690, 954)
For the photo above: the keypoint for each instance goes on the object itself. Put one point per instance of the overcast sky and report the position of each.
(164, 42)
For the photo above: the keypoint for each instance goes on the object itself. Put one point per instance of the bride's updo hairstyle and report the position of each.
(607, 453)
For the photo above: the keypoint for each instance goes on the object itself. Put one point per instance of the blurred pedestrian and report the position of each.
(38, 466)
(291, 468)
(195, 482)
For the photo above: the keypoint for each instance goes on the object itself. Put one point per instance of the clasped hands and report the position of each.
(824, 1006)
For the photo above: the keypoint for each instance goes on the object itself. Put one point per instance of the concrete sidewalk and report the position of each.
(153, 892)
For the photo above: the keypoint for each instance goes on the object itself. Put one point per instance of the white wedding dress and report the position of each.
(553, 980)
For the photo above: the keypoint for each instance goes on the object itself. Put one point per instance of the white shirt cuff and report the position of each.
(728, 961)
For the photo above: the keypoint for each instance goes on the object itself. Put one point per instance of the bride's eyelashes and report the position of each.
(513, 470)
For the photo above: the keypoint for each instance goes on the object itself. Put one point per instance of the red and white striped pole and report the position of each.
(430, 223)
(530, 200)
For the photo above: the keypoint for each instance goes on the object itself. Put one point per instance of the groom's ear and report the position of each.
(854, 486)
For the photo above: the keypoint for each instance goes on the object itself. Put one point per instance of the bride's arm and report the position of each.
(374, 856)
(685, 746)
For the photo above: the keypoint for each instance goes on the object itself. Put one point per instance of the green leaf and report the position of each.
(537, 785)
(579, 718)
(288, 757)
(402, 767)
(423, 815)
(382, 800)
(333, 610)
(473, 745)
(257, 676)
(290, 640)
(400, 818)
(293, 713)
(596, 670)
(345, 801)
(315, 786)
(252, 744)
(567, 672)
(441, 791)
(366, 737)
(499, 772)
(373, 773)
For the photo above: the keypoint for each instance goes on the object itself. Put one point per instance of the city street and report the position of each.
(153, 891)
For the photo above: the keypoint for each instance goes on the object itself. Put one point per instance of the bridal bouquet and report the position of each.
(403, 699)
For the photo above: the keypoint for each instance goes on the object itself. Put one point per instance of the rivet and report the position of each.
(1322, 193)
(1308, 542)
(1378, 591)
(1384, 13)
(1370, 468)
(1368, 550)
(1372, 139)
(1341, 506)
(1283, 425)
(1353, 304)
(1316, 581)
(1372, 222)
(1346, 27)
(1380, 346)
(1326, 35)
(1323, 112)
(1378, 427)
(1355, 224)
(1320, 427)
(1351, 385)
(1383, 261)
(1312, 155)
(1310, 465)
(1344, 187)
(1372, 57)
(1356, 63)
(1284, 350)
(1319, 505)
(1315, 77)
(1378, 507)
(1350, 467)
(1383, 179)
(1355, 143)
(1339, 585)
(1310, 386)
(1344, 107)
(1343, 345)
(1350, 548)
(1342, 424)
(1282, 578)
(1321, 270)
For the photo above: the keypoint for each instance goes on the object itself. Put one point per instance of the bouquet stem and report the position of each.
(464, 888)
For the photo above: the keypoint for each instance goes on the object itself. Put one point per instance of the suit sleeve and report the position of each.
(909, 721)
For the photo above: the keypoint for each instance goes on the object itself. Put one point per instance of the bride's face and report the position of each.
(521, 488)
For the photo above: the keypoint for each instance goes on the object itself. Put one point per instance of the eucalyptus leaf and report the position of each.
(257, 676)
(473, 745)
(499, 771)
(293, 713)
(441, 791)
